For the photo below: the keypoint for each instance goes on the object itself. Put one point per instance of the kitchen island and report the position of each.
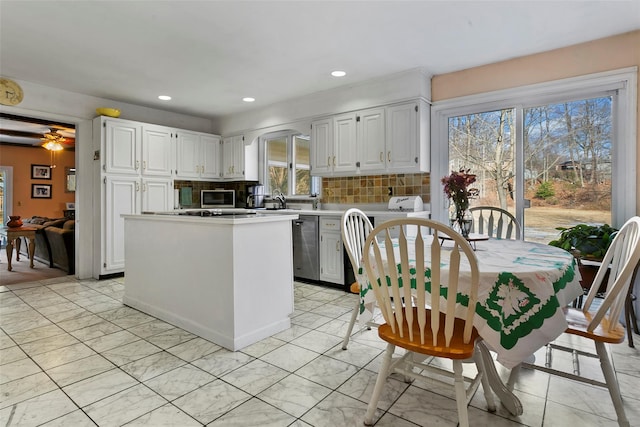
(228, 279)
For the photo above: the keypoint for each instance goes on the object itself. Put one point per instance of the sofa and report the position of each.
(55, 242)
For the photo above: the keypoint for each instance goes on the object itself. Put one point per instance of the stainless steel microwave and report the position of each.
(218, 198)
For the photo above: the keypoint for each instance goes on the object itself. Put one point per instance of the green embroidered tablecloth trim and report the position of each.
(510, 309)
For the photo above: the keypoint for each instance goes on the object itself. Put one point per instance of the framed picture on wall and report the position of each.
(40, 191)
(40, 172)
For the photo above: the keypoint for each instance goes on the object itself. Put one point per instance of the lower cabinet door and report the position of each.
(122, 198)
(331, 258)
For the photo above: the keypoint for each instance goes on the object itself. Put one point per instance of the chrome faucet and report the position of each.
(277, 194)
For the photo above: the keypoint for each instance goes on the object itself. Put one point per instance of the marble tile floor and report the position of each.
(71, 354)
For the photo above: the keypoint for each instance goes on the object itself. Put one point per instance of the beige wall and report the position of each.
(600, 55)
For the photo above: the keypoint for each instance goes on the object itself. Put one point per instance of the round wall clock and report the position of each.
(10, 92)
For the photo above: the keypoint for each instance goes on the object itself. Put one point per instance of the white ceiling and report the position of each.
(209, 54)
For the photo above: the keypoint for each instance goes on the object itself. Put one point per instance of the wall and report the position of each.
(587, 58)
(21, 158)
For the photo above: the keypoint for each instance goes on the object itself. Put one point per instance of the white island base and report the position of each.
(227, 280)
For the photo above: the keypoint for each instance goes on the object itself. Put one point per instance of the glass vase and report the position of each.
(461, 220)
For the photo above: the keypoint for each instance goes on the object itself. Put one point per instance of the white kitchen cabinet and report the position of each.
(197, 156)
(120, 197)
(333, 142)
(121, 147)
(370, 139)
(322, 146)
(331, 256)
(406, 138)
(156, 194)
(133, 148)
(233, 166)
(157, 150)
(381, 140)
(128, 195)
(134, 165)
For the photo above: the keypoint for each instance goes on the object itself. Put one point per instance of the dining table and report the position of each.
(523, 289)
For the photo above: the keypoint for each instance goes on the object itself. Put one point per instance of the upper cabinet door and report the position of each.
(122, 147)
(157, 149)
(322, 146)
(210, 156)
(344, 128)
(187, 159)
(402, 138)
(371, 139)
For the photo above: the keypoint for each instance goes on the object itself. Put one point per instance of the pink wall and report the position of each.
(587, 58)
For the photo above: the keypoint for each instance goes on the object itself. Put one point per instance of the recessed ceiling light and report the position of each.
(165, 97)
(338, 73)
(248, 99)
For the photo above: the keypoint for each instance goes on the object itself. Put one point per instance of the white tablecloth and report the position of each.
(523, 288)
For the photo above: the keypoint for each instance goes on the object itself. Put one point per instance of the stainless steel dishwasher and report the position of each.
(306, 260)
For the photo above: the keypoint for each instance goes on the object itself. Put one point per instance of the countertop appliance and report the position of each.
(218, 198)
(406, 204)
(306, 259)
(255, 196)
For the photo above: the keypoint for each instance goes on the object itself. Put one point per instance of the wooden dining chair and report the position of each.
(405, 287)
(601, 324)
(495, 222)
(355, 228)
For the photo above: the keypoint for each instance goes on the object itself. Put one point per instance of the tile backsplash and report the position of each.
(351, 189)
(375, 188)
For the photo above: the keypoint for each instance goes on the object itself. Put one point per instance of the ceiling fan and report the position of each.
(23, 131)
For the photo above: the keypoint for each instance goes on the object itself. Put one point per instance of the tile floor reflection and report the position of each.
(71, 354)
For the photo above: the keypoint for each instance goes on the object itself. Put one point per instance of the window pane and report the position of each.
(567, 165)
(276, 150)
(483, 143)
(301, 165)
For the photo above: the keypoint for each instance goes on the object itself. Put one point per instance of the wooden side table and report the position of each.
(13, 235)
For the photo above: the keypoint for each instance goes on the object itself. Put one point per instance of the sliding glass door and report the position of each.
(554, 172)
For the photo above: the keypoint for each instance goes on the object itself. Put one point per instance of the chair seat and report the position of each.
(578, 322)
(457, 349)
(355, 288)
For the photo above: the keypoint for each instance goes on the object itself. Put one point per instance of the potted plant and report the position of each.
(586, 242)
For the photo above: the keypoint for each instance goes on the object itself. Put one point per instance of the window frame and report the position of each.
(289, 136)
(624, 81)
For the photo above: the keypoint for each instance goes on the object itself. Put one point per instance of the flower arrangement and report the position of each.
(456, 187)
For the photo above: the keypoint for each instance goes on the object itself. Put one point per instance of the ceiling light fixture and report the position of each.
(165, 97)
(52, 143)
(248, 99)
(338, 73)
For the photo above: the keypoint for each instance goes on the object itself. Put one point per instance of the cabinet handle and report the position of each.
(137, 186)
(137, 164)
(328, 161)
(144, 164)
(337, 246)
(202, 168)
(381, 157)
(334, 161)
(389, 155)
